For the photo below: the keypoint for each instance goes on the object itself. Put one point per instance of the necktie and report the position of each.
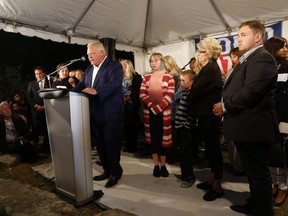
(41, 85)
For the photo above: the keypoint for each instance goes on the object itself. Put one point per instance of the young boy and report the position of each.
(183, 125)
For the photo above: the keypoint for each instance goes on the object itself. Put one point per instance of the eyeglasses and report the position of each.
(201, 51)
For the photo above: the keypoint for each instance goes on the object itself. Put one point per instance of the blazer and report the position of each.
(206, 90)
(108, 103)
(248, 96)
(32, 93)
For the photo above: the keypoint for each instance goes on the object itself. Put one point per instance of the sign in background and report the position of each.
(230, 42)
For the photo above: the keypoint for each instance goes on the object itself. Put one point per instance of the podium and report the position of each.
(68, 126)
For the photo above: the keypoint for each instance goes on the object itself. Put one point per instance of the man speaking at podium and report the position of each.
(103, 82)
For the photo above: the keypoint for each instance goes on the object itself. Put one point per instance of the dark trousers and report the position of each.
(185, 140)
(254, 157)
(209, 130)
(108, 145)
(39, 128)
(156, 133)
(131, 125)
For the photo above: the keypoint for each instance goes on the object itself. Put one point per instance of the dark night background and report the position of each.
(20, 54)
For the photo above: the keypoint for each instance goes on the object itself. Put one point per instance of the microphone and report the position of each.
(79, 59)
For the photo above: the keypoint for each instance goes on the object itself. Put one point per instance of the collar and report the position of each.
(248, 53)
(97, 68)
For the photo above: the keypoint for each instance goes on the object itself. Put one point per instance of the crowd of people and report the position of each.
(180, 108)
(23, 120)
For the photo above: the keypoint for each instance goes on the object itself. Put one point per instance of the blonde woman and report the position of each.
(173, 69)
(204, 93)
(156, 93)
(130, 88)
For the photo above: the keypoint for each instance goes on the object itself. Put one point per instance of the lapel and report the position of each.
(100, 71)
(88, 79)
(36, 85)
(238, 67)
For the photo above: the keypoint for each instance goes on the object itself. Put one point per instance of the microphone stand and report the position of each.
(48, 76)
(183, 68)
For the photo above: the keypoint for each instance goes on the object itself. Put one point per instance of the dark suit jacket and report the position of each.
(248, 96)
(32, 93)
(108, 104)
(206, 90)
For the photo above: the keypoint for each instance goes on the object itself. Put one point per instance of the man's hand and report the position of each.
(39, 108)
(91, 91)
(217, 109)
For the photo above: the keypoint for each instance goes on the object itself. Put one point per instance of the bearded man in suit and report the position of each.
(103, 83)
(250, 118)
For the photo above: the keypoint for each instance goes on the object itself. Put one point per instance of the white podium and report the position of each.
(70, 144)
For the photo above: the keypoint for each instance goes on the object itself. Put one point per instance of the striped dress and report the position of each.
(164, 107)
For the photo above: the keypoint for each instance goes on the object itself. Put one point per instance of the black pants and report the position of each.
(209, 130)
(108, 145)
(156, 133)
(185, 140)
(131, 125)
(255, 158)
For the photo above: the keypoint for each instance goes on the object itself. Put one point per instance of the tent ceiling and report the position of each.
(139, 23)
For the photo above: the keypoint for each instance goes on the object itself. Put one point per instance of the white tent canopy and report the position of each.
(141, 26)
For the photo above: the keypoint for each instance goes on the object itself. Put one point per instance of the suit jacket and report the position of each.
(108, 103)
(248, 96)
(32, 93)
(206, 90)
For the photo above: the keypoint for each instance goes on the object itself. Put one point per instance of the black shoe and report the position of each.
(204, 186)
(101, 177)
(164, 172)
(244, 209)
(98, 194)
(156, 171)
(113, 180)
(212, 195)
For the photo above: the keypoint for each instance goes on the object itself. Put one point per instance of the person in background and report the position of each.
(277, 46)
(130, 88)
(103, 83)
(64, 81)
(204, 93)
(174, 70)
(21, 107)
(39, 127)
(184, 122)
(238, 169)
(250, 118)
(79, 74)
(15, 136)
(156, 93)
(192, 63)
